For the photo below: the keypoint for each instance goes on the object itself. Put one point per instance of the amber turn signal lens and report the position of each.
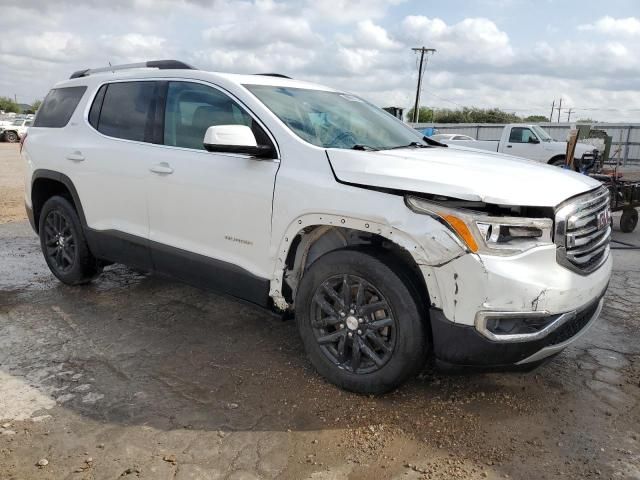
(463, 231)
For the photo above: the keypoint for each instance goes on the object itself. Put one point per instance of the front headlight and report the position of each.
(483, 233)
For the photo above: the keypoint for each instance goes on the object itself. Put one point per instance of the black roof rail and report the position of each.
(279, 75)
(159, 64)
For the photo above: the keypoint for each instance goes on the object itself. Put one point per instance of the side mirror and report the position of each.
(235, 139)
(533, 140)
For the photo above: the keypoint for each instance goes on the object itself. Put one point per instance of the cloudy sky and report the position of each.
(514, 54)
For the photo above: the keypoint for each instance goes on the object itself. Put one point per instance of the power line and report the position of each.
(421, 70)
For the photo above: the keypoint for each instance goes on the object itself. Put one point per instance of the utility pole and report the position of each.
(569, 115)
(559, 109)
(421, 69)
(553, 107)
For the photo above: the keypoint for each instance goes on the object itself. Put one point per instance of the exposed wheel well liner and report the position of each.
(313, 242)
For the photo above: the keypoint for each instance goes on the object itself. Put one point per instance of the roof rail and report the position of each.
(279, 75)
(159, 64)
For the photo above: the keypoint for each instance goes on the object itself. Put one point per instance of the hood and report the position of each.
(462, 173)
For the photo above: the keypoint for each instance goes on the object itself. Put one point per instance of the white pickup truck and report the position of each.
(526, 141)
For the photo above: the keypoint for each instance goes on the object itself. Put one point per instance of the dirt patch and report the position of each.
(11, 184)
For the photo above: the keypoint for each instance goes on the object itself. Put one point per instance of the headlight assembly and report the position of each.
(482, 233)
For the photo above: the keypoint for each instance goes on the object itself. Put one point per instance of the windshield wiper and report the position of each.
(366, 148)
(410, 145)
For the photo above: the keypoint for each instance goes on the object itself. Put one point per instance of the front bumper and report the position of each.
(463, 345)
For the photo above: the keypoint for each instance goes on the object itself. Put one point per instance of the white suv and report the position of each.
(389, 248)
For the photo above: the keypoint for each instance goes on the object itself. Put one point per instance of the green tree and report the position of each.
(475, 115)
(34, 106)
(424, 115)
(536, 118)
(8, 105)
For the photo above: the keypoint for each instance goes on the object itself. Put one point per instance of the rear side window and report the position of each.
(128, 110)
(58, 106)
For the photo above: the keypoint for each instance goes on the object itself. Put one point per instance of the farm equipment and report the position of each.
(625, 193)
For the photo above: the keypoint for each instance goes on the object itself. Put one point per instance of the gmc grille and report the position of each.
(583, 230)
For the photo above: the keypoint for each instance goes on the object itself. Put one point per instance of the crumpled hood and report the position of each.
(462, 173)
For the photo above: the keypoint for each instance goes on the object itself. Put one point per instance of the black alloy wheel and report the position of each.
(353, 324)
(59, 241)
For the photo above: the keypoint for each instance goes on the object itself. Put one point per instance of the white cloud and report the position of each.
(48, 46)
(134, 46)
(357, 45)
(349, 11)
(262, 31)
(370, 36)
(473, 40)
(629, 26)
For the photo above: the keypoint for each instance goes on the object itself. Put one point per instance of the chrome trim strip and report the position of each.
(551, 349)
(482, 317)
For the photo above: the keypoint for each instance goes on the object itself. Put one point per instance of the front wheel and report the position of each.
(361, 323)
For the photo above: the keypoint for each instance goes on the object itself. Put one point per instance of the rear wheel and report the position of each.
(558, 162)
(361, 324)
(11, 137)
(63, 243)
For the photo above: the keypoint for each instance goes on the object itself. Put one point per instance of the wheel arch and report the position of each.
(556, 157)
(47, 183)
(311, 236)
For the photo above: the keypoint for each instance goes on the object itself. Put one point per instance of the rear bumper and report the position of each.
(460, 345)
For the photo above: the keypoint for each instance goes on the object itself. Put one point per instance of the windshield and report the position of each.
(335, 120)
(542, 135)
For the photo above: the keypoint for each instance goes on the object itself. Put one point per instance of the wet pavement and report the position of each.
(137, 376)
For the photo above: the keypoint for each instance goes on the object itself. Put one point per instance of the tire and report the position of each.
(11, 137)
(558, 162)
(629, 220)
(63, 243)
(394, 333)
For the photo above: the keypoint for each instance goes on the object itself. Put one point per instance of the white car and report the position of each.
(449, 137)
(17, 129)
(527, 141)
(301, 198)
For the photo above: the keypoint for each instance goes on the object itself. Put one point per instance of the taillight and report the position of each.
(24, 137)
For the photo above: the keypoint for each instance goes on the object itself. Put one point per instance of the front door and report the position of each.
(521, 144)
(210, 213)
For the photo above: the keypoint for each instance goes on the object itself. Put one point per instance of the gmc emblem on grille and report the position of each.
(604, 219)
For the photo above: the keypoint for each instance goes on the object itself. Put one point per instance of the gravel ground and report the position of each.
(137, 376)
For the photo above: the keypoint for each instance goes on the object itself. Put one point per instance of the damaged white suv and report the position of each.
(388, 247)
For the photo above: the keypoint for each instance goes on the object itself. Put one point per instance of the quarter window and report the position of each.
(58, 106)
(128, 110)
(192, 108)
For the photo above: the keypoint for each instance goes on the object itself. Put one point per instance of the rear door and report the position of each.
(210, 213)
(112, 169)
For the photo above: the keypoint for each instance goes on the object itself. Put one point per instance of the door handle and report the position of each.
(509, 146)
(162, 168)
(75, 157)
